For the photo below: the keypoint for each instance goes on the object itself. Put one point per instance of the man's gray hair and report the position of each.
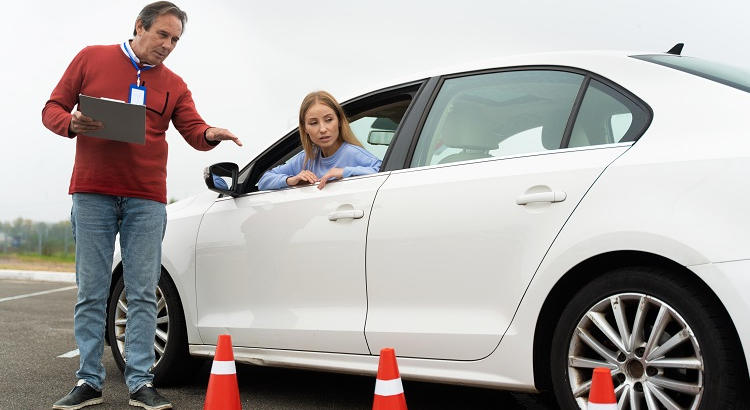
(156, 9)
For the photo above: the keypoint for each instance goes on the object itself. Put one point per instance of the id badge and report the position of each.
(137, 95)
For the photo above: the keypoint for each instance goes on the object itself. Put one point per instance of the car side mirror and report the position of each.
(216, 175)
(380, 137)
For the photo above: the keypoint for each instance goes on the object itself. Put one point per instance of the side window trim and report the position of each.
(380, 97)
(438, 85)
(398, 154)
(515, 156)
(574, 112)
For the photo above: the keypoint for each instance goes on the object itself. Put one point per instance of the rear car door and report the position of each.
(455, 238)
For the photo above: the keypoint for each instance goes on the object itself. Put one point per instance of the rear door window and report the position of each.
(497, 114)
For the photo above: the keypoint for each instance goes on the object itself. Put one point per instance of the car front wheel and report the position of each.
(170, 342)
(666, 344)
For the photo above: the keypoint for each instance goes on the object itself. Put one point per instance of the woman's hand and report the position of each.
(333, 173)
(303, 176)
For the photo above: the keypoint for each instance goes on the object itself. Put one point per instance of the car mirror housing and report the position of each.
(214, 176)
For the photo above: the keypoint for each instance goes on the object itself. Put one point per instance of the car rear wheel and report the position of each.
(170, 343)
(666, 344)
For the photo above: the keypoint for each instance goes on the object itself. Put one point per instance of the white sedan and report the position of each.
(534, 218)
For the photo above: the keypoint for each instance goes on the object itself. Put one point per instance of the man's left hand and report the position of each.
(221, 134)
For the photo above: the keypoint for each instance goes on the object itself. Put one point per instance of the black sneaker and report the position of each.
(148, 398)
(81, 396)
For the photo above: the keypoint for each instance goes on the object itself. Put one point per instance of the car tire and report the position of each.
(170, 344)
(702, 371)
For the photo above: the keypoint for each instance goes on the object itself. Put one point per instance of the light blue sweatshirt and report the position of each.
(353, 159)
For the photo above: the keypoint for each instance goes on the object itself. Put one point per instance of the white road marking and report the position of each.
(28, 295)
(72, 353)
(68, 277)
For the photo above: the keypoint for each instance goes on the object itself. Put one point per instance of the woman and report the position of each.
(331, 151)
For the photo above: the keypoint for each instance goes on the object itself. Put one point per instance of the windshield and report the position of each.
(721, 73)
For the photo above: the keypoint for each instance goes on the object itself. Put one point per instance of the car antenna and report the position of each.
(677, 49)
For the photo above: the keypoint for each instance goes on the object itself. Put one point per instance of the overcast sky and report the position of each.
(250, 63)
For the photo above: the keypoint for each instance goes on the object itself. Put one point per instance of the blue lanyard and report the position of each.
(137, 69)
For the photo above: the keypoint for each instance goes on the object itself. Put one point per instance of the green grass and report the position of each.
(35, 257)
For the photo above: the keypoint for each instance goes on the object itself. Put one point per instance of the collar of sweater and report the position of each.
(333, 158)
(125, 47)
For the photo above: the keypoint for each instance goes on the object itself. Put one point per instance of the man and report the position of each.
(120, 187)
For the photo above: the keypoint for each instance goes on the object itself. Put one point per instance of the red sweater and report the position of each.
(119, 168)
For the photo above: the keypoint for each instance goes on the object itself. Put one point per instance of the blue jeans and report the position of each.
(97, 219)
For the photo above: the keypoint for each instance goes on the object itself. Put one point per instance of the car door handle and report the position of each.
(349, 213)
(550, 196)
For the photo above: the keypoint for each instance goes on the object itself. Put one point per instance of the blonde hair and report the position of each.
(345, 131)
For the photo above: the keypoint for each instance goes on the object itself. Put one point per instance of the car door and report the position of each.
(285, 269)
(455, 238)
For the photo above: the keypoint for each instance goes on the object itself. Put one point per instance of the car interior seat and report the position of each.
(579, 138)
(468, 128)
(553, 129)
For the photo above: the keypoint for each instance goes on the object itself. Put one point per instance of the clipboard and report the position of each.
(122, 121)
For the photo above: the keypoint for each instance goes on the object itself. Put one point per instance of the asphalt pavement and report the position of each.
(38, 361)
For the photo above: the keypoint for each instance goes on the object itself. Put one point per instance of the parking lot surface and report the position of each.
(38, 360)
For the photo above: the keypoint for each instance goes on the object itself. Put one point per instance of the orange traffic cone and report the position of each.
(223, 393)
(389, 392)
(602, 394)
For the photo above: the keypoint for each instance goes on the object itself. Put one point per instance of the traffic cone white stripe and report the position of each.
(602, 406)
(388, 387)
(223, 367)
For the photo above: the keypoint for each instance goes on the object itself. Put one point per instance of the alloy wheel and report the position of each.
(162, 325)
(652, 353)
